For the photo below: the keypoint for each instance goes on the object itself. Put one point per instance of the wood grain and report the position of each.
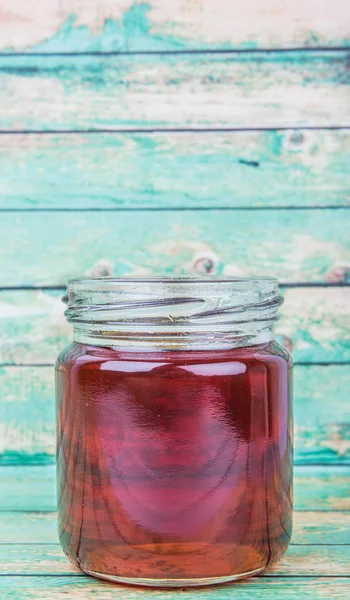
(36, 527)
(315, 322)
(27, 415)
(126, 25)
(315, 488)
(278, 89)
(183, 170)
(321, 412)
(300, 561)
(295, 246)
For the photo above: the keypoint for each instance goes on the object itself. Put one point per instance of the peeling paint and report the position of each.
(170, 90)
(72, 25)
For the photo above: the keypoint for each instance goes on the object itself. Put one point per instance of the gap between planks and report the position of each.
(166, 130)
(208, 50)
(183, 209)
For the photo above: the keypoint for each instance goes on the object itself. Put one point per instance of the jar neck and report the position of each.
(159, 341)
(168, 314)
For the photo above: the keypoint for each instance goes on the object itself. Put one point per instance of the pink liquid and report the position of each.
(174, 465)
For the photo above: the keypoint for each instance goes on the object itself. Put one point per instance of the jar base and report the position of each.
(173, 583)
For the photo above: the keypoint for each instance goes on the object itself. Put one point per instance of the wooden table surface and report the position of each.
(182, 138)
(317, 564)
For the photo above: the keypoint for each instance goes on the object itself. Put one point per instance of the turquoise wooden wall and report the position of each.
(177, 137)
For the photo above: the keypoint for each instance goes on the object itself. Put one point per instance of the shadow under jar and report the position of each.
(174, 430)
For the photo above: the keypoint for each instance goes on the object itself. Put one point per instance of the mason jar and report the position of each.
(174, 430)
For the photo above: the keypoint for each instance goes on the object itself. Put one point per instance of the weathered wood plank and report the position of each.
(87, 588)
(126, 25)
(34, 330)
(321, 488)
(309, 527)
(321, 414)
(315, 488)
(278, 89)
(31, 527)
(186, 169)
(295, 246)
(300, 561)
(321, 408)
(28, 488)
(27, 415)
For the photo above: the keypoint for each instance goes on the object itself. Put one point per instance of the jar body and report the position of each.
(174, 467)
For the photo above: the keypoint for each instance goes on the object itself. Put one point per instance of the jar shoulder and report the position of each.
(83, 354)
(276, 349)
(70, 354)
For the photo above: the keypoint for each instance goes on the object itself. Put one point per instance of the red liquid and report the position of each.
(174, 465)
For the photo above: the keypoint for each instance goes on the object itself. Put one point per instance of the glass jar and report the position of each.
(174, 430)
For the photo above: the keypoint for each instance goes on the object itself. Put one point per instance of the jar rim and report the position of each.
(222, 310)
(168, 279)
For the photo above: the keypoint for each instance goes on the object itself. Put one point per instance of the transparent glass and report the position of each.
(174, 431)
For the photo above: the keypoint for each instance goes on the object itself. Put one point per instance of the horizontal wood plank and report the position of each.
(310, 527)
(27, 415)
(295, 246)
(34, 527)
(321, 412)
(109, 26)
(87, 588)
(28, 488)
(300, 561)
(314, 323)
(315, 488)
(278, 89)
(186, 170)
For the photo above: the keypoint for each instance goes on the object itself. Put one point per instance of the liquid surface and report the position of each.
(174, 465)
